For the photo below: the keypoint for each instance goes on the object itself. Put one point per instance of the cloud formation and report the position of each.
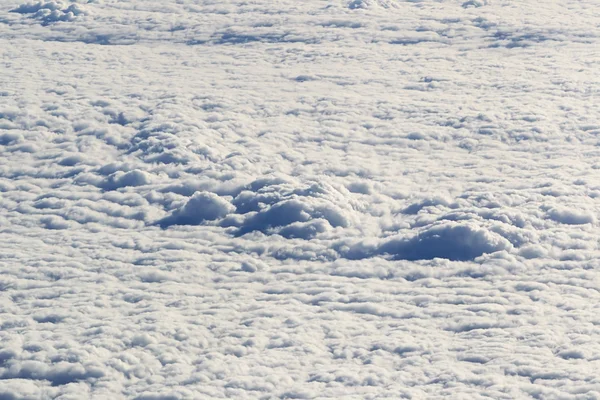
(232, 199)
(48, 12)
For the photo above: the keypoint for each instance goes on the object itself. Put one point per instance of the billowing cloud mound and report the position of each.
(121, 179)
(51, 11)
(453, 241)
(269, 205)
(571, 216)
(358, 4)
(291, 210)
(201, 207)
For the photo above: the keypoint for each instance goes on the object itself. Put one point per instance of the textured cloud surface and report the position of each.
(359, 199)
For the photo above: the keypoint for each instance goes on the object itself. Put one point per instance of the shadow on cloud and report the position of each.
(449, 240)
(48, 12)
(275, 206)
(271, 206)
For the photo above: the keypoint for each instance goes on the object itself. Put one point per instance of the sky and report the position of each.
(326, 199)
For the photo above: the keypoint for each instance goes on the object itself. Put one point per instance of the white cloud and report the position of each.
(51, 11)
(353, 199)
(202, 206)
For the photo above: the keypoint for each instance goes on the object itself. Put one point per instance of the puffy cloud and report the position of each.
(51, 11)
(571, 216)
(292, 211)
(453, 241)
(121, 179)
(201, 207)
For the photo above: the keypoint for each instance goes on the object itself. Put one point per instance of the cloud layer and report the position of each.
(348, 199)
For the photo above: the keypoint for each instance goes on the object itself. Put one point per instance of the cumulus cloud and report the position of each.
(121, 179)
(452, 241)
(202, 206)
(571, 216)
(291, 211)
(51, 11)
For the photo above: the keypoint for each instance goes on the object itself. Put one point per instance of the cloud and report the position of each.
(227, 199)
(571, 216)
(358, 4)
(452, 241)
(48, 12)
(121, 179)
(60, 373)
(291, 211)
(201, 207)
